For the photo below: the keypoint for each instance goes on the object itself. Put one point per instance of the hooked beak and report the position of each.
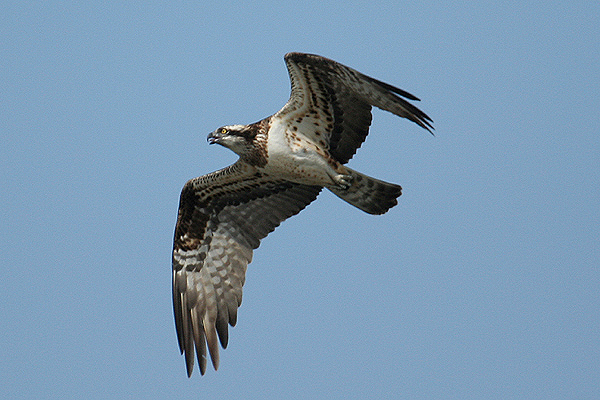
(213, 137)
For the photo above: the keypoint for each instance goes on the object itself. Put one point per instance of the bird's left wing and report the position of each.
(222, 218)
(331, 103)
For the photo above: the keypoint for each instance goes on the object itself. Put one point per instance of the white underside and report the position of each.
(298, 161)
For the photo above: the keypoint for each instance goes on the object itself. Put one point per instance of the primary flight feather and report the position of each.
(284, 162)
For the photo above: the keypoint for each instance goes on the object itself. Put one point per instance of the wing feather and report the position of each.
(222, 218)
(334, 102)
(224, 215)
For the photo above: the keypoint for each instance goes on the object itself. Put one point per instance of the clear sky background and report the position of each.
(482, 283)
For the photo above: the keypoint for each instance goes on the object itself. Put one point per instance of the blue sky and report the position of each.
(482, 283)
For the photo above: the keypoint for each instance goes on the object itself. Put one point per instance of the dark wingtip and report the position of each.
(426, 123)
(418, 117)
(223, 332)
(189, 363)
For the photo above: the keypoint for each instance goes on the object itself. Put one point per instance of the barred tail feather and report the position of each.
(369, 194)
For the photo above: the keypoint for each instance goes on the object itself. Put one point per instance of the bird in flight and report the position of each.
(285, 160)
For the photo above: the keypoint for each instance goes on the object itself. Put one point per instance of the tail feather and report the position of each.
(369, 194)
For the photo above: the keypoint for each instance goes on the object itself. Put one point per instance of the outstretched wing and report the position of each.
(222, 218)
(333, 102)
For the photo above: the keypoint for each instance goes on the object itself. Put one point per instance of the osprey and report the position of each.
(284, 162)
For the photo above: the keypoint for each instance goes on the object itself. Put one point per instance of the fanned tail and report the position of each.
(369, 194)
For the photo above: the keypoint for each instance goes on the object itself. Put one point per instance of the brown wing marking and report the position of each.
(222, 218)
(337, 100)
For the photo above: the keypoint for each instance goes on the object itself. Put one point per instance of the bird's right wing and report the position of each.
(222, 218)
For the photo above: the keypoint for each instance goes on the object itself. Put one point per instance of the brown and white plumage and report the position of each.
(285, 161)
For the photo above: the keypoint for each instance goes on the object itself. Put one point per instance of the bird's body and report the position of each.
(295, 156)
(285, 161)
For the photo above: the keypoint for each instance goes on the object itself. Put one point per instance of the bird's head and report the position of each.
(237, 138)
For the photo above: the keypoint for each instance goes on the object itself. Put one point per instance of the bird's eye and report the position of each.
(223, 130)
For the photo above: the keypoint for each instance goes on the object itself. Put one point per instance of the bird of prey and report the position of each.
(284, 162)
